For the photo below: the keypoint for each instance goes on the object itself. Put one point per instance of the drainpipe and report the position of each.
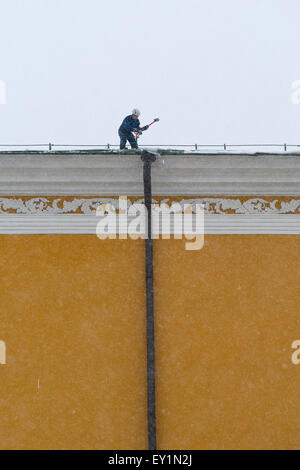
(148, 158)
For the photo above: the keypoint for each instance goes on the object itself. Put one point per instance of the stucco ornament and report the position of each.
(213, 205)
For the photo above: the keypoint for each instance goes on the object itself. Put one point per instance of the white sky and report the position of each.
(214, 71)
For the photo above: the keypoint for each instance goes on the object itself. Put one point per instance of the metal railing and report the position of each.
(189, 147)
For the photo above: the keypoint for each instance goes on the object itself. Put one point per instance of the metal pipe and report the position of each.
(148, 158)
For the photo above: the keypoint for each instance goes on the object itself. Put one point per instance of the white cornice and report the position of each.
(182, 174)
(21, 215)
(213, 224)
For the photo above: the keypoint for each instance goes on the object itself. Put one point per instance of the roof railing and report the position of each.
(226, 147)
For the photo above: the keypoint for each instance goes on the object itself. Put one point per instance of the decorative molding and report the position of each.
(78, 215)
(212, 205)
(88, 174)
(250, 206)
(42, 205)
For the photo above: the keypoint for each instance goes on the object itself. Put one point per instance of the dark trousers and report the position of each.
(126, 135)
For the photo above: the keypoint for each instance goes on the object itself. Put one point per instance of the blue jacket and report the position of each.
(129, 124)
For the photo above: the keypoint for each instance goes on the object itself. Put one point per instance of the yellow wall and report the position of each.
(73, 319)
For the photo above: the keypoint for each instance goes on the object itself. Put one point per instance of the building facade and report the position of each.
(72, 317)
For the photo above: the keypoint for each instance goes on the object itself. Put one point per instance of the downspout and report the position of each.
(148, 158)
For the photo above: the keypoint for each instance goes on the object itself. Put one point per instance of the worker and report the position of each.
(129, 125)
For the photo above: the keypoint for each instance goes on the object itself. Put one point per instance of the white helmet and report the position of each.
(136, 112)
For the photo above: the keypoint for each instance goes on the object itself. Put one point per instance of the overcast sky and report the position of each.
(213, 71)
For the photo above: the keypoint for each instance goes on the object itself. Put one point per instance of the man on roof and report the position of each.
(129, 125)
